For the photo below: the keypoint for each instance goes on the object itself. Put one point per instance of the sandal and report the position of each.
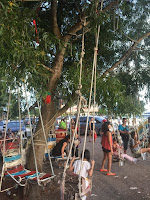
(103, 170)
(111, 174)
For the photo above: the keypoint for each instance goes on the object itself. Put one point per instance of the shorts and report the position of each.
(106, 150)
(125, 139)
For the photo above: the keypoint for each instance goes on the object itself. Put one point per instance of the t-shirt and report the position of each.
(56, 151)
(121, 128)
(105, 142)
(62, 125)
(83, 172)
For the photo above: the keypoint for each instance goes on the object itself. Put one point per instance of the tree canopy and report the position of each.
(41, 43)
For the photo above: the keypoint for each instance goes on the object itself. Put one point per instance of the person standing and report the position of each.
(124, 132)
(91, 126)
(62, 124)
(107, 148)
(72, 124)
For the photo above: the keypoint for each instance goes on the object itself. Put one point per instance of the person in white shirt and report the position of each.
(83, 169)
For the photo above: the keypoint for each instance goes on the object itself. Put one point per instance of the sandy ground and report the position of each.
(132, 181)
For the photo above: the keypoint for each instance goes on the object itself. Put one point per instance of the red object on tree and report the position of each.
(47, 100)
(34, 22)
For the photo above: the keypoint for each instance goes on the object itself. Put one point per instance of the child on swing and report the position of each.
(117, 152)
(84, 170)
(135, 145)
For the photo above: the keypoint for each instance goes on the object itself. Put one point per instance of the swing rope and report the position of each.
(32, 139)
(45, 137)
(80, 98)
(95, 58)
(94, 66)
(3, 168)
(21, 146)
(35, 160)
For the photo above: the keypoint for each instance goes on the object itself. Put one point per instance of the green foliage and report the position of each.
(22, 58)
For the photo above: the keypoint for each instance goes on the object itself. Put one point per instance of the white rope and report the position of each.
(12, 153)
(101, 5)
(21, 146)
(45, 137)
(94, 66)
(2, 174)
(36, 167)
(69, 155)
(79, 107)
(13, 163)
(95, 53)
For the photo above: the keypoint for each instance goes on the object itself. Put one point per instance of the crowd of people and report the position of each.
(111, 147)
(9, 134)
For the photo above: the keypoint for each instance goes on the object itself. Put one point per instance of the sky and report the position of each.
(147, 107)
(147, 104)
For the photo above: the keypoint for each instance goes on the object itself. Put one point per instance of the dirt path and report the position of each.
(132, 181)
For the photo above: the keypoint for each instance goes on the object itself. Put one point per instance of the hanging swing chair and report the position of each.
(13, 158)
(81, 192)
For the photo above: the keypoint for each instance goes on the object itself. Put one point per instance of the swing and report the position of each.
(13, 160)
(82, 192)
(120, 159)
(141, 130)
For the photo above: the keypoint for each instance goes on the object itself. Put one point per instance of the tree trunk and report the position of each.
(51, 190)
(48, 111)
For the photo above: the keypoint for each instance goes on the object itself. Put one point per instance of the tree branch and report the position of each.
(112, 4)
(54, 20)
(128, 53)
(78, 26)
(67, 106)
(49, 69)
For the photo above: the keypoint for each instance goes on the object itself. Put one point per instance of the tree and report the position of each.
(46, 53)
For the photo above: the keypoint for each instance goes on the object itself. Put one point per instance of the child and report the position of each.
(84, 171)
(107, 148)
(117, 152)
(134, 144)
